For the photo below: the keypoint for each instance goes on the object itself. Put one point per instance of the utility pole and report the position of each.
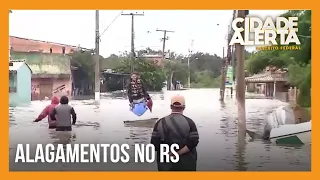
(222, 52)
(225, 65)
(97, 62)
(240, 52)
(164, 41)
(226, 62)
(132, 57)
(233, 68)
(189, 73)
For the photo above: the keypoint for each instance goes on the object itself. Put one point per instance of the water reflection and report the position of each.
(240, 153)
(80, 124)
(62, 137)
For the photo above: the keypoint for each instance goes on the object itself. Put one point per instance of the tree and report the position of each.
(297, 62)
(175, 67)
(175, 70)
(153, 76)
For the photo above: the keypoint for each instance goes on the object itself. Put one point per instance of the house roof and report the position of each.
(16, 64)
(267, 77)
(20, 44)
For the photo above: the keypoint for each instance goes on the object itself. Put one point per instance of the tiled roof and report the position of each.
(267, 77)
(19, 44)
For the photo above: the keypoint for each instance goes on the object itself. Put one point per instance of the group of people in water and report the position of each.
(172, 129)
(61, 116)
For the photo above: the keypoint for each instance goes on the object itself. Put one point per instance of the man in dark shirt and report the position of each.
(63, 113)
(179, 129)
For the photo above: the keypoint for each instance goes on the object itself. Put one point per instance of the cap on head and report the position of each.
(178, 101)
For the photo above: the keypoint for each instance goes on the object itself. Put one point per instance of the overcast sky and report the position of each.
(208, 28)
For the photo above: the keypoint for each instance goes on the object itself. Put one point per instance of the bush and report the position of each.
(205, 79)
(300, 76)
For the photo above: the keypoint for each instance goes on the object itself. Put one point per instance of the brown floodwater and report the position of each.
(219, 149)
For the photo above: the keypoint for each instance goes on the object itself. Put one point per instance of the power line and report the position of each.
(110, 24)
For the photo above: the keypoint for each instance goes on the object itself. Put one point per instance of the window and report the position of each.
(12, 82)
(50, 50)
(63, 50)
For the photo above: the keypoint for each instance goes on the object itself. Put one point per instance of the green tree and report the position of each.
(175, 67)
(205, 79)
(153, 76)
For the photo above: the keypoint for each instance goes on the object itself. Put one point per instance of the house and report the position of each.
(272, 83)
(19, 82)
(50, 64)
(157, 59)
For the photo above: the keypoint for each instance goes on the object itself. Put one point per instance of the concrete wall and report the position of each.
(51, 69)
(23, 94)
(60, 87)
(24, 84)
(281, 92)
(280, 87)
(251, 87)
(13, 96)
(40, 63)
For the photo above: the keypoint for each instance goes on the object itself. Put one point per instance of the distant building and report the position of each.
(19, 82)
(157, 59)
(49, 63)
(19, 44)
(272, 82)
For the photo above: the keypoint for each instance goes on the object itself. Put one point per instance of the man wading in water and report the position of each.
(136, 91)
(62, 113)
(177, 129)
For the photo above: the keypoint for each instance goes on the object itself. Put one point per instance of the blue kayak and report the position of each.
(139, 108)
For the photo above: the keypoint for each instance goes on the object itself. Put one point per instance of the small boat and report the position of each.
(281, 128)
(293, 134)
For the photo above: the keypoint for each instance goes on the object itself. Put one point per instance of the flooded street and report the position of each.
(219, 148)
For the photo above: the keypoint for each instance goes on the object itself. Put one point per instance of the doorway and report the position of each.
(45, 91)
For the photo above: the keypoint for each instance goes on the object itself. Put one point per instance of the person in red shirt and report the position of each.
(46, 112)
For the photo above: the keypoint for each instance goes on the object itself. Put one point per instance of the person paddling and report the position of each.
(136, 91)
(46, 112)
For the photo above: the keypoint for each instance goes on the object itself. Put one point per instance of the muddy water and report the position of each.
(220, 149)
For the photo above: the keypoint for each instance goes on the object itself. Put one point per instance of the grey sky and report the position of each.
(78, 27)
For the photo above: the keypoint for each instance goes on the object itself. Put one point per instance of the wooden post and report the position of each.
(240, 51)
(274, 89)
